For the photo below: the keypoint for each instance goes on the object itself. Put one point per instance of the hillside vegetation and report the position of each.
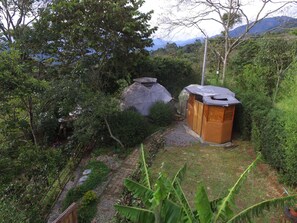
(61, 78)
(262, 73)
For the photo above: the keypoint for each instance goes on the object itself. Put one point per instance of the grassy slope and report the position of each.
(218, 169)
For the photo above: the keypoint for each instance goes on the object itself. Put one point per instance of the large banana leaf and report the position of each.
(179, 195)
(259, 208)
(144, 169)
(172, 212)
(179, 176)
(203, 205)
(140, 191)
(224, 211)
(135, 214)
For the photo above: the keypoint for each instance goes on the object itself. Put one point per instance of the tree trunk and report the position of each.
(224, 68)
(31, 117)
(111, 135)
(276, 86)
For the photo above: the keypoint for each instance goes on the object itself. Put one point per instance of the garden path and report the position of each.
(112, 192)
(177, 135)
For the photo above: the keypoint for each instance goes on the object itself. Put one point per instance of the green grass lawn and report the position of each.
(219, 168)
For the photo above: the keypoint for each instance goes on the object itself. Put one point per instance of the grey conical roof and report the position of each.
(143, 94)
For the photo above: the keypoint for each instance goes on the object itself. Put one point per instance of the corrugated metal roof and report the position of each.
(213, 95)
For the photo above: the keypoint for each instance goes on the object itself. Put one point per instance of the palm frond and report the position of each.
(224, 211)
(203, 205)
(136, 214)
(144, 169)
(259, 208)
(140, 191)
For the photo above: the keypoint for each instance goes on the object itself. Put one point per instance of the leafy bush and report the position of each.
(86, 213)
(88, 198)
(272, 129)
(161, 114)
(273, 135)
(129, 127)
(172, 73)
(255, 104)
(88, 207)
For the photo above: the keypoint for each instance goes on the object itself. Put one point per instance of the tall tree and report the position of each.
(97, 41)
(18, 14)
(226, 14)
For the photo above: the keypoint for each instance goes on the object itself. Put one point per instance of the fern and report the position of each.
(136, 214)
(224, 211)
(259, 208)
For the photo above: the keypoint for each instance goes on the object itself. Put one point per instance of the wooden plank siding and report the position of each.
(69, 215)
(212, 123)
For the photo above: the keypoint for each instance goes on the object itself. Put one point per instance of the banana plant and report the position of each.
(165, 202)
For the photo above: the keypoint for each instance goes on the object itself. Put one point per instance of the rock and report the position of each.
(82, 180)
(87, 172)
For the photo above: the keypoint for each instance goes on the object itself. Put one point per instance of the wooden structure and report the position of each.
(69, 215)
(210, 113)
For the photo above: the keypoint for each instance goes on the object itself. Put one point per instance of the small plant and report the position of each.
(161, 114)
(88, 198)
(88, 207)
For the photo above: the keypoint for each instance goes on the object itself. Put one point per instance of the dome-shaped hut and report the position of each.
(143, 93)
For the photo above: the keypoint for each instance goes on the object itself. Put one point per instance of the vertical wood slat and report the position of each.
(69, 215)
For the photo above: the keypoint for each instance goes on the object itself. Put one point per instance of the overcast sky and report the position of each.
(211, 28)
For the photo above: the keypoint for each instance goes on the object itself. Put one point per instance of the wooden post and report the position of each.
(204, 61)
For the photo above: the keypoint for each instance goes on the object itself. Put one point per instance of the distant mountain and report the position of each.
(273, 24)
(160, 43)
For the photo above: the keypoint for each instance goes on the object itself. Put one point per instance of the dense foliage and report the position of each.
(58, 76)
(173, 73)
(265, 83)
(161, 114)
(130, 127)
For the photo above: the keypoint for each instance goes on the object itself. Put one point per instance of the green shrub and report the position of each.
(172, 73)
(86, 213)
(273, 136)
(88, 207)
(88, 198)
(129, 127)
(161, 114)
(290, 126)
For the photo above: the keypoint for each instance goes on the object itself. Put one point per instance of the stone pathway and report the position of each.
(112, 193)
